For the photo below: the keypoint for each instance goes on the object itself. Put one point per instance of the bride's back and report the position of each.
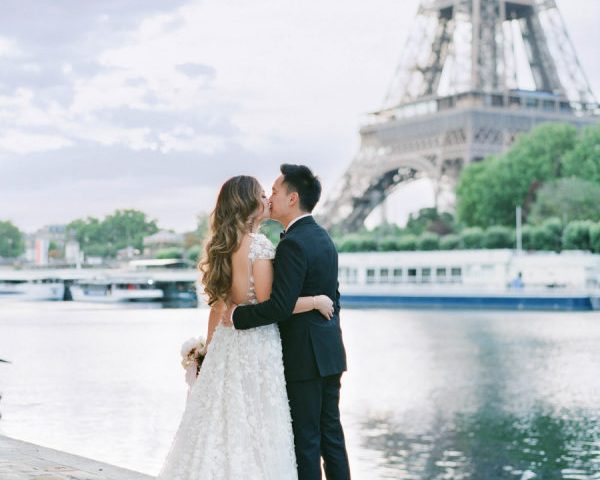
(241, 271)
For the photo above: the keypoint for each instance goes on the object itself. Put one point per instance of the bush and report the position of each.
(169, 253)
(194, 253)
(428, 241)
(595, 237)
(498, 237)
(526, 237)
(576, 235)
(367, 244)
(349, 243)
(449, 242)
(471, 238)
(548, 235)
(407, 242)
(388, 244)
(541, 238)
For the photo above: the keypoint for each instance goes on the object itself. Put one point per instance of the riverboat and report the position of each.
(497, 279)
(115, 290)
(28, 286)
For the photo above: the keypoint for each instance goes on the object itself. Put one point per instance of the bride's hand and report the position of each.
(324, 304)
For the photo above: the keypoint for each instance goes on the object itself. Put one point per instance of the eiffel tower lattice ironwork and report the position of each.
(475, 74)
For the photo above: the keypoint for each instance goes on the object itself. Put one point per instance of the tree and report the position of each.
(488, 192)
(12, 242)
(568, 199)
(119, 230)
(429, 220)
(584, 160)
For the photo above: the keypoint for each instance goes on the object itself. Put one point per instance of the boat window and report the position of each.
(425, 275)
(412, 275)
(456, 273)
(384, 275)
(370, 275)
(397, 275)
(353, 275)
(440, 274)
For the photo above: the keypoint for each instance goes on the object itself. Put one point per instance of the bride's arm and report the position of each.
(214, 317)
(262, 270)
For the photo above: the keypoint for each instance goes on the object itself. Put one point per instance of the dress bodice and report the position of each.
(261, 248)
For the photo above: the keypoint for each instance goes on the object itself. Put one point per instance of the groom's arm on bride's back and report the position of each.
(290, 270)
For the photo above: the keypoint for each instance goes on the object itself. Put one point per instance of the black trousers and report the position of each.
(317, 428)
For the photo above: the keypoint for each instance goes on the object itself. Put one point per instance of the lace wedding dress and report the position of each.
(237, 424)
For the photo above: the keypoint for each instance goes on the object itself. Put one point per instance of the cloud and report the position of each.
(197, 70)
(109, 104)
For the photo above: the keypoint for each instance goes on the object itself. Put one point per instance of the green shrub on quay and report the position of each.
(428, 241)
(471, 238)
(498, 236)
(407, 243)
(449, 242)
(576, 235)
(595, 237)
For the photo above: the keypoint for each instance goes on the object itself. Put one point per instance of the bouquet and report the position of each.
(193, 352)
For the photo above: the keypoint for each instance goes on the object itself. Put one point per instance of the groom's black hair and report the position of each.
(301, 180)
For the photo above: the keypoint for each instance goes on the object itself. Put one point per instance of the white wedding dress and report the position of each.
(237, 424)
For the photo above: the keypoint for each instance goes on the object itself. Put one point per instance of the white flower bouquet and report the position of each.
(193, 352)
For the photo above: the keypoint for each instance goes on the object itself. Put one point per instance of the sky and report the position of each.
(152, 105)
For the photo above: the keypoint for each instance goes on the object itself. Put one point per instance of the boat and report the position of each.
(115, 290)
(495, 279)
(31, 286)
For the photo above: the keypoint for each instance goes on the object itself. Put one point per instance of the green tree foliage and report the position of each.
(498, 236)
(389, 244)
(167, 253)
(272, 229)
(584, 160)
(429, 220)
(527, 237)
(428, 241)
(449, 242)
(12, 243)
(471, 238)
(407, 242)
(194, 253)
(576, 235)
(547, 236)
(568, 199)
(489, 191)
(595, 237)
(119, 230)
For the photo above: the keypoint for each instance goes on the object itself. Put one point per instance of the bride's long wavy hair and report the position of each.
(237, 205)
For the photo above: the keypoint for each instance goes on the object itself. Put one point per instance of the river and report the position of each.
(429, 394)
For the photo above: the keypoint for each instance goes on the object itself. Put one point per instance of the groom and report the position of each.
(306, 264)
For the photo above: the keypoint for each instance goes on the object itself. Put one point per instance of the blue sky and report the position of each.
(152, 105)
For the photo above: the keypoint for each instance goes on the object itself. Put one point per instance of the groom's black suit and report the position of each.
(306, 264)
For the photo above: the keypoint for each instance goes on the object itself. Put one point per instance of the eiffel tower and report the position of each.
(474, 75)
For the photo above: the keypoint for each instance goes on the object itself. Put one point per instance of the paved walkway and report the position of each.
(26, 461)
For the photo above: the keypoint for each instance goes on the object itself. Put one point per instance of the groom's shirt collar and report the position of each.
(296, 219)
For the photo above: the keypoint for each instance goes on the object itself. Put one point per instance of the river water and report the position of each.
(428, 395)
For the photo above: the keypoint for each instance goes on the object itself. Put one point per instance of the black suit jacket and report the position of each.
(306, 264)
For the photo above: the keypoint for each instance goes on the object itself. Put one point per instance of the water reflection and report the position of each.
(507, 399)
(488, 444)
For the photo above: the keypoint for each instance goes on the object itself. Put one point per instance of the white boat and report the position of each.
(31, 286)
(115, 290)
(471, 279)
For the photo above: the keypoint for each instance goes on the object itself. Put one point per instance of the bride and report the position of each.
(237, 422)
